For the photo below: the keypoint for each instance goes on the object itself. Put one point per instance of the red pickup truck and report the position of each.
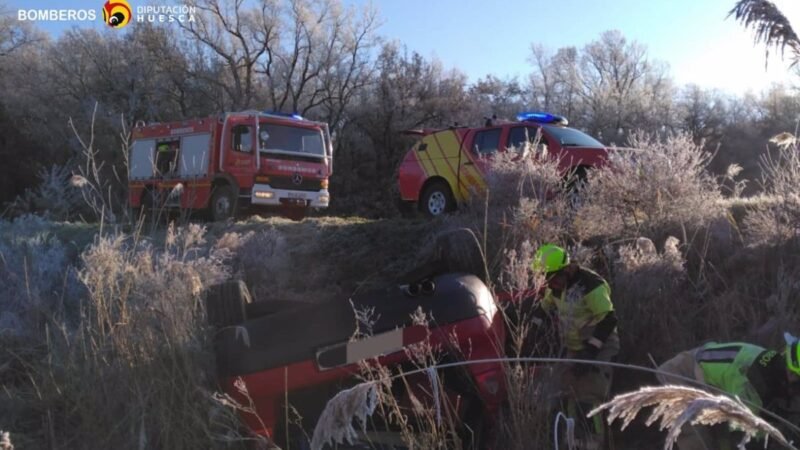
(442, 168)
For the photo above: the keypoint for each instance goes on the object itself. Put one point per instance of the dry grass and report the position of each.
(771, 27)
(676, 406)
(128, 366)
(335, 425)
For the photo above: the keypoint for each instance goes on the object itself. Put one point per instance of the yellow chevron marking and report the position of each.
(424, 158)
(438, 158)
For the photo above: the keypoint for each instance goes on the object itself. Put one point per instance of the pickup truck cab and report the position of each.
(446, 165)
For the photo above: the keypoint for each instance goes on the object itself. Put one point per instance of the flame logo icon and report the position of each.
(117, 13)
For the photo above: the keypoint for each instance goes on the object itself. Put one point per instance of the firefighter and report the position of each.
(166, 158)
(758, 376)
(581, 301)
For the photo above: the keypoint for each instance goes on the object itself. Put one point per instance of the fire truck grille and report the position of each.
(307, 184)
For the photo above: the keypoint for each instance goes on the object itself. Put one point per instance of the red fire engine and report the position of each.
(443, 167)
(231, 161)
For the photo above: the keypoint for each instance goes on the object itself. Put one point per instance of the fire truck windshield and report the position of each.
(282, 138)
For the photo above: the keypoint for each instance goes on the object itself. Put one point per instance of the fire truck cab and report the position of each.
(221, 164)
(446, 165)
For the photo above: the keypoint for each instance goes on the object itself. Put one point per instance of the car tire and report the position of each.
(227, 303)
(223, 204)
(437, 199)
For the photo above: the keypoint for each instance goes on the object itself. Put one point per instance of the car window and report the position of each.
(242, 138)
(570, 137)
(487, 141)
(519, 135)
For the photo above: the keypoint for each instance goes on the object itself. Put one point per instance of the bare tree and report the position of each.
(543, 80)
(297, 55)
(239, 37)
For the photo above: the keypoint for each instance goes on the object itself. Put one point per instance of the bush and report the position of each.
(778, 220)
(55, 197)
(135, 371)
(34, 275)
(657, 187)
(523, 202)
(653, 297)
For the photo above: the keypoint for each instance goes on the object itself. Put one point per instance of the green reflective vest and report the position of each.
(727, 366)
(580, 307)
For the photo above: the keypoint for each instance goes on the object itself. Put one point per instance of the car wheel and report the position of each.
(223, 203)
(437, 200)
(226, 304)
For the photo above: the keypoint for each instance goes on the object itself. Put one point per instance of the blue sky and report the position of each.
(482, 37)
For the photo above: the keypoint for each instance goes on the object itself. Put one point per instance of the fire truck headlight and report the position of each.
(324, 199)
(323, 184)
(266, 195)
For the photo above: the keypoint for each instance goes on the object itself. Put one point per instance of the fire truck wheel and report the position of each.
(437, 199)
(226, 303)
(223, 203)
(294, 213)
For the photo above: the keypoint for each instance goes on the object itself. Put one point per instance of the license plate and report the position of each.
(299, 195)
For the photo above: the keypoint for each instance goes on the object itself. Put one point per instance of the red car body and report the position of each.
(307, 355)
(444, 166)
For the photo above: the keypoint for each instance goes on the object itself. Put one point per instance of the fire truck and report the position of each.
(224, 163)
(446, 165)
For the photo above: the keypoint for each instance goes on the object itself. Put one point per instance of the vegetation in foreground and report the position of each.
(104, 342)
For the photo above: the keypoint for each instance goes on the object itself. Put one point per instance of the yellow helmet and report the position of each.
(550, 258)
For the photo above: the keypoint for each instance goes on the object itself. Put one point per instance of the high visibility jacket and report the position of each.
(583, 304)
(745, 370)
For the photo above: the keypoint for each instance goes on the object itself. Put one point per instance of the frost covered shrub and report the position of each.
(262, 260)
(129, 281)
(139, 361)
(653, 297)
(778, 219)
(526, 201)
(55, 198)
(654, 187)
(34, 272)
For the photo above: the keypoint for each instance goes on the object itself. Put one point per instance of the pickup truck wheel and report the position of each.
(437, 200)
(223, 203)
(226, 304)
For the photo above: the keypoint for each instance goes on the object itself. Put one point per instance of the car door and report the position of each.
(240, 160)
(527, 140)
(476, 159)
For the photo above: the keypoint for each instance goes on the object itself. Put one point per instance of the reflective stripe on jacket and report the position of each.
(726, 366)
(580, 307)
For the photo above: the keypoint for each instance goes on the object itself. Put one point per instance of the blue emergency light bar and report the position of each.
(541, 117)
(283, 114)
